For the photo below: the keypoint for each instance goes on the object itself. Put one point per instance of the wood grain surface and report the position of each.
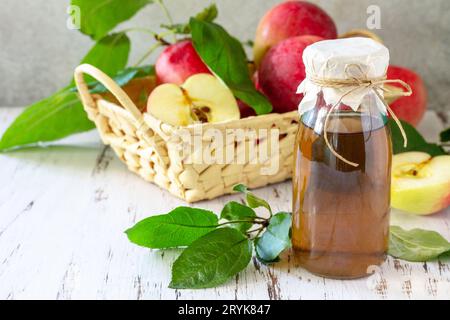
(63, 211)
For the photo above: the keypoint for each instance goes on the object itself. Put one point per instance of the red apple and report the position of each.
(282, 70)
(178, 62)
(410, 109)
(291, 19)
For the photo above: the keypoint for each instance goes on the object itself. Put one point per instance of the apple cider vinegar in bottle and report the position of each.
(342, 169)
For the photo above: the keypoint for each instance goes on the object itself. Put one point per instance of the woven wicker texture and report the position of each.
(162, 154)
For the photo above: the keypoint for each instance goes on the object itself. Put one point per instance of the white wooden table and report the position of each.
(63, 211)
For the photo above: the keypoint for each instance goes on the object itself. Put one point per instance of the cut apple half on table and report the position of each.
(420, 183)
(202, 98)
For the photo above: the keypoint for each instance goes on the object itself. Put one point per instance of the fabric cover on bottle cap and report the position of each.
(351, 58)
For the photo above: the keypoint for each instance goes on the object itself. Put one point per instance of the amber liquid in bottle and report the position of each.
(341, 213)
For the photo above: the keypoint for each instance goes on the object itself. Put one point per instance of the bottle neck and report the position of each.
(342, 118)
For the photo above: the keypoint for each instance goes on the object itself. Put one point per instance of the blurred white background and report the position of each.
(38, 53)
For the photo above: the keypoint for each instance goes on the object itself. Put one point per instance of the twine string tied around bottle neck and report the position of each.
(356, 83)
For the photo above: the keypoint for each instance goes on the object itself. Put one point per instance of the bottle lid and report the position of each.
(342, 59)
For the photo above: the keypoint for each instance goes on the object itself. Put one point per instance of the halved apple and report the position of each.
(420, 183)
(202, 98)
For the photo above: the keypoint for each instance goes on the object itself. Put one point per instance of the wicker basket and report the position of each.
(151, 148)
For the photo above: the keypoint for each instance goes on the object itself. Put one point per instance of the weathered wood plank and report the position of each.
(63, 211)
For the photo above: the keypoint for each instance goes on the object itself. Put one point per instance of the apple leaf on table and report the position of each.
(416, 245)
(275, 239)
(50, 119)
(211, 260)
(252, 200)
(62, 114)
(215, 251)
(236, 211)
(180, 227)
(415, 140)
(100, 17)
(226, 57)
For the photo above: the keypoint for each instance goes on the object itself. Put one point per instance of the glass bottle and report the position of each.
(341, 211)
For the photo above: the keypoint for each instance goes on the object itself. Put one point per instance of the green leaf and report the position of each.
(445, 256)
(62, 114)
(124, 77)
(226, 57)
(110, 54)
(178, 228)
(98, 18)
(50, 119)
(208, 14)
(445, 135)
(178, 28)
(416, 245)
(252, 200)
(415, 140)
(211, 260)
(235, 211)
(275, 239)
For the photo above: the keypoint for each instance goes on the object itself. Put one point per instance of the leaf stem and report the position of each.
(161, 40)
(241, 221)
(270, 212)
(166, 33)
(138, 29)
(263, 222)
(158, 36)
(148, 53)
(261, 218)
(258, 230)
(167, 14)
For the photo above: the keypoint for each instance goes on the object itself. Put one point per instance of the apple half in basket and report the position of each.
(202, 98)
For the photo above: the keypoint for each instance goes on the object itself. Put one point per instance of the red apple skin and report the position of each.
(291, 19)
(410, 109)
(178, 62)
(282, 70)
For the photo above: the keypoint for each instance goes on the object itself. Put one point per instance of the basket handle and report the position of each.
(109, 84)
(121, 96)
